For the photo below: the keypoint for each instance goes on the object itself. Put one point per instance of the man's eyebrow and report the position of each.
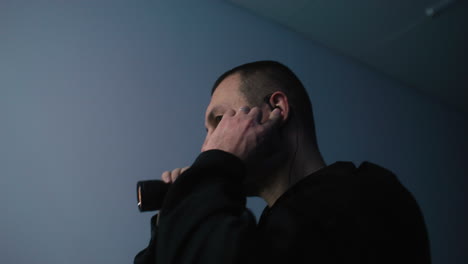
(213, 112)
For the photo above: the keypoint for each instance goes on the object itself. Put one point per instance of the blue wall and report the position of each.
(96, 96)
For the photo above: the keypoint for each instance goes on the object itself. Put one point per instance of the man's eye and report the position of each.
(218, 119)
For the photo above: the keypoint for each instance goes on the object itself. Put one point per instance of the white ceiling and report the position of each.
(398, 38)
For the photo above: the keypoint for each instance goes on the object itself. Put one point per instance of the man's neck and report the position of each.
(298, 167)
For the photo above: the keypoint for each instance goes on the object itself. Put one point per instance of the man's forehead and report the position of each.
(229, 86)
(226, 94)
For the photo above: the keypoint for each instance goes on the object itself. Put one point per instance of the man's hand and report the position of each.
(171, 176)
(242, 133)
(239, 133)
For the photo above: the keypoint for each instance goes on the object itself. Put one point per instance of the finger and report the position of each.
(175, 173)
(184, 169)
(229, 112)
(166, 177)
(256, 114)
(244, 109)
(274, 119)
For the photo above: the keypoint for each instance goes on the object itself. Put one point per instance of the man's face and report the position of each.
(228, 96)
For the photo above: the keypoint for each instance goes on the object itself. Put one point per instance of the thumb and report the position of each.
(274, 119)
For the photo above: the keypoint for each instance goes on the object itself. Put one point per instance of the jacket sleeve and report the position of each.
(147, 255)
(204, 218)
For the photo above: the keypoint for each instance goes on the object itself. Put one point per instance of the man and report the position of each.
(261, 141)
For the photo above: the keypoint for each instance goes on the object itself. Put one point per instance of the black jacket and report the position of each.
(339, 214)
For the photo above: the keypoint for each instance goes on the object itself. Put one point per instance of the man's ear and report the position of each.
(280, 100)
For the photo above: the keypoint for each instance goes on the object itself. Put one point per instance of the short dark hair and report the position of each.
(261, 78)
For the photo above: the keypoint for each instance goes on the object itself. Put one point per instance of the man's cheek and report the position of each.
(204, 143)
